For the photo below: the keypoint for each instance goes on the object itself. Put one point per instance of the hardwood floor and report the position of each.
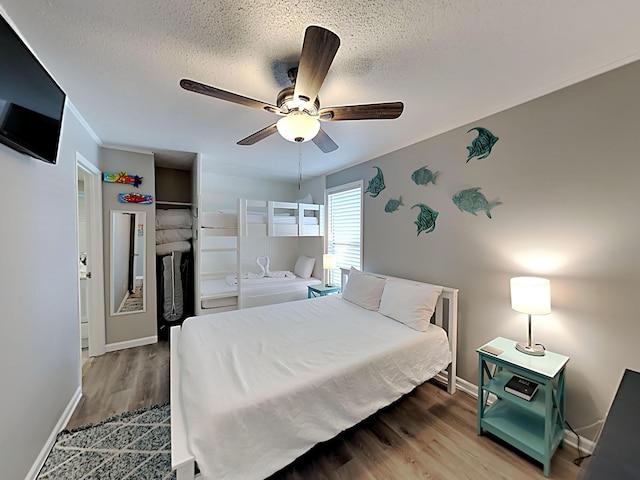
(122, 381)
(428, 434)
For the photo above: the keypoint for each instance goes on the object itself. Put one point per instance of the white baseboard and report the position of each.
(586, 445)
(62, 422)
(138, 342)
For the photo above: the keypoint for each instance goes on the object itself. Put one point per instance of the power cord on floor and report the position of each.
(577, 461)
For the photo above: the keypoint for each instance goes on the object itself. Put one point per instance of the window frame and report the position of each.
(334, 276)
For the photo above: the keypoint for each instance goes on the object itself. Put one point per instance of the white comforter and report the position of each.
(261, 386)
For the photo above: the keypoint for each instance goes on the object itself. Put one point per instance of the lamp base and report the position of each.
(537, 350)
(328, 285)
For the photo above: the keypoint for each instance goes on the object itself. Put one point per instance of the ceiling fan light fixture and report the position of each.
(298, 127)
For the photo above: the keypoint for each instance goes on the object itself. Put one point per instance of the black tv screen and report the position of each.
(31, 102)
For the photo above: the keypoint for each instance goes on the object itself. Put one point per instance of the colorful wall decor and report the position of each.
(423, 175)
(426, 220)
(122, 177)
(393, 205)
(376, 184)
(482, 144)
(472, 201)
(135, 198)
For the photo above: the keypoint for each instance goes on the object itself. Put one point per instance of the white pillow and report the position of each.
(304, 266)
(364, 290)
(410, 303)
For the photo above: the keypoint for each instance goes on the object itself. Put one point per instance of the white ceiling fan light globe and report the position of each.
(298, 127)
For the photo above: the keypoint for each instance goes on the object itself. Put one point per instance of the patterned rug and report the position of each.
(131, 446)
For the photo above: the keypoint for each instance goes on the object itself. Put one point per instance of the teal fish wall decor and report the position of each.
(376, 184)
(472, 201)
(423, 175)
(393, 205)
(426, 221)
(482, 144)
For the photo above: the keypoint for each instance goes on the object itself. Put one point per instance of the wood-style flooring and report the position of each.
(428, 434)
(122, 381)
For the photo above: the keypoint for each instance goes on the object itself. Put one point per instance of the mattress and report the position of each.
(230, 220)
(263, 287)
(261, 386)
(215, 286)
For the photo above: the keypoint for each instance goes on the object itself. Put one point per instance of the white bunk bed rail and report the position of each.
(283, 219)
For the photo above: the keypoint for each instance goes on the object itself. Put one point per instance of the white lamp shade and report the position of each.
(329, 261)
(531, 295)
(298, 127)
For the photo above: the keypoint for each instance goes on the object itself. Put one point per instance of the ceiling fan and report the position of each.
(299, 105)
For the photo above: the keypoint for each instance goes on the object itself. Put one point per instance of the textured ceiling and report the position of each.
(450, 61)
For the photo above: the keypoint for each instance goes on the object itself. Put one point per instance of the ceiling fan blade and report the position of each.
(373, 111)
(259, 135)
(318, 50)
(324, 142)
(214, 92)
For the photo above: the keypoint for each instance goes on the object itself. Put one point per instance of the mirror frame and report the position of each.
(141, 219)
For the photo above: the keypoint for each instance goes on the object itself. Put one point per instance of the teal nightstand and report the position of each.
(535, 427)
(320, 290)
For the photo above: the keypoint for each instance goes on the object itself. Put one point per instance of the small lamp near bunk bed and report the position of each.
(531, 295)
(328, 263)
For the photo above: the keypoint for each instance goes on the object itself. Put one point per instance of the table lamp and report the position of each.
(328, 263)
(530, 295)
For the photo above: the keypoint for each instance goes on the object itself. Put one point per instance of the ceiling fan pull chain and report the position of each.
(299, 166)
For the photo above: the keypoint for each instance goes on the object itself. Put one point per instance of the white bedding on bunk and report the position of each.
(262, 287)
(215, 286)
(230, 220)
(262, 386)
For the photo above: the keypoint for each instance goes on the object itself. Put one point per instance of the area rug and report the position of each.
(134, 301)
(131, 446)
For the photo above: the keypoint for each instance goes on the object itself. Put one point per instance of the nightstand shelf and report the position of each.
(496, 386)
(321, 290)
(535, 427)
(524, 430)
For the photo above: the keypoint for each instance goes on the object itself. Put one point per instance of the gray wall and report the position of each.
(40, 343)
(122, 328)
(566, 168)
(219, 190)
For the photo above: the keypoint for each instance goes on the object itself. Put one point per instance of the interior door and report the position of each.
(90, 261)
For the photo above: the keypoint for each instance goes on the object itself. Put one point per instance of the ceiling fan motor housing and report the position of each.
(287, 102)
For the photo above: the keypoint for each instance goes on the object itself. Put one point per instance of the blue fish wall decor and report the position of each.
(426, 221)
(482, 144)
(376, 184)
(393, 205)
(472, 201)
(423, 175)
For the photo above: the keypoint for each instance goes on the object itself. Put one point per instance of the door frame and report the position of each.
(95, 286)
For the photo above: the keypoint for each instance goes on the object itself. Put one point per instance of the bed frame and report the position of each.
(184, 463)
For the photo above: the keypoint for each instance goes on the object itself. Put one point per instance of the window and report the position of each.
(344, 227)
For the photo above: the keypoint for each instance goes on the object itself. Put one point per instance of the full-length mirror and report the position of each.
(127, 262)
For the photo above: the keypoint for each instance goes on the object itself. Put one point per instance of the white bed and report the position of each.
(284, 377)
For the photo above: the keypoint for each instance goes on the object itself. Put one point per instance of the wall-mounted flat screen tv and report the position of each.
(31, 102)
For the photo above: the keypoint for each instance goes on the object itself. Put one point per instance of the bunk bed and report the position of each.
(223, 249)
(347, 356)
(275, 219)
